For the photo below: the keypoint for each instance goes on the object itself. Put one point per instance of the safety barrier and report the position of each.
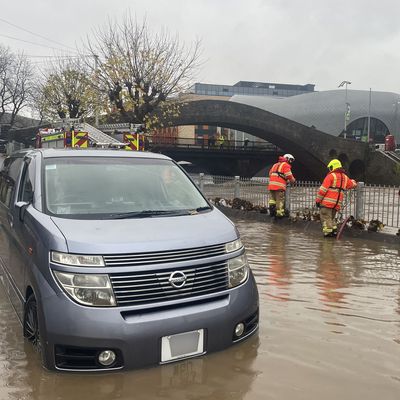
(366, 202)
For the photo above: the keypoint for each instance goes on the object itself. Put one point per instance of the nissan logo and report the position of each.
(177, 279)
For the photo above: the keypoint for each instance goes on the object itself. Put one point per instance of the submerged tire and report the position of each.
(31, 323)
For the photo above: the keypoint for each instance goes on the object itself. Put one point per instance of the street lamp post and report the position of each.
(395, 123)
(369, 118)
(347, 107)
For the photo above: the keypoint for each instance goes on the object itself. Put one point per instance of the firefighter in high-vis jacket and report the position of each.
(279, 175)
(330, 196)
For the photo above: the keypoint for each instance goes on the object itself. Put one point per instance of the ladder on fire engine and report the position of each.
(97, 136)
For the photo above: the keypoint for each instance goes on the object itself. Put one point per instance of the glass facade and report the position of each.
(358, 130)
(251, 89)
(242, 88)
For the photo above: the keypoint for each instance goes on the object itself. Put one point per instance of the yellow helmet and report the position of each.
(334, 164)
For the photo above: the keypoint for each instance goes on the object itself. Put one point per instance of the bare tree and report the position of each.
(66, 90)
(139, 70)
(36, 104)
(16, 84)
(21, 86)
(5, 71)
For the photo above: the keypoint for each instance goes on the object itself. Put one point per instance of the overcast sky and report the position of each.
(285, 41)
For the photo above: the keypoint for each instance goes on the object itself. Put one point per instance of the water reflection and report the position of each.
(201, 378)
(331, 275)
(329, 328)
(278, 267)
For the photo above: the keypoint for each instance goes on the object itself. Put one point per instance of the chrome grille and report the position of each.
(144, 287)
(160, 257)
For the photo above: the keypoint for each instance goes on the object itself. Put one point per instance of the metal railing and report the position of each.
(366, 202)
(213, 145)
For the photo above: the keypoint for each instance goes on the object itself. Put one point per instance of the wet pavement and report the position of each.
(330, 329)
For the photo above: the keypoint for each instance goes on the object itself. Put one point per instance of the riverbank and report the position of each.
(311, 227)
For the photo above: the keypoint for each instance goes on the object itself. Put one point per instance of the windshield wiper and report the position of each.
(199, 210)
(146, 214)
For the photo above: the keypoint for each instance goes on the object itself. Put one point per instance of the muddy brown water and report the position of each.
(330, 329)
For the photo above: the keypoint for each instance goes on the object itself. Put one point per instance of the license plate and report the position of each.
(182, 345)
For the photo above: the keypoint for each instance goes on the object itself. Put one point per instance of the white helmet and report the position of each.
(288, 157)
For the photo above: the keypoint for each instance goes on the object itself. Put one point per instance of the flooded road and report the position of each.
(329, 329)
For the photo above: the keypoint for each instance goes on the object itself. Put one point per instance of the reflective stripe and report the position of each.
(80, 139)
(334, 180)
(52, 137)
(328, 200)
(132, 141)
(283, 185)
(282, 176)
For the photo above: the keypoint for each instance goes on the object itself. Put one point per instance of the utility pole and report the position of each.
(347, 108)
(96, 117)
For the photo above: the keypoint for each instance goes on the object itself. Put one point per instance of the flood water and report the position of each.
(329, 329)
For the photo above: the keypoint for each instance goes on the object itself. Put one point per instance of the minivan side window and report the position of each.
(3, 179)
(8, 178)
(26, 188)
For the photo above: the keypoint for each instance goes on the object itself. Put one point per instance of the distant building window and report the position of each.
(225, 89)
(358, 130)
(271, 86)
(275, 93)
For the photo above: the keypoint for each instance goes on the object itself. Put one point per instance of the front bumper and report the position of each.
(136, 334)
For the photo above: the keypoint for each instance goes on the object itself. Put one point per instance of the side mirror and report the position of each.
(21, 206)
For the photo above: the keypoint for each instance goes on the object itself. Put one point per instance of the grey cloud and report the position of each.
(307, 41)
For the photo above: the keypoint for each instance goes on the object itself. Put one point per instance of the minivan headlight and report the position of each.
(87, 289)
(238, 269)
(78, 260)
(233, 246)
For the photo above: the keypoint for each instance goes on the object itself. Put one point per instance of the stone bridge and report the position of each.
(312, 148)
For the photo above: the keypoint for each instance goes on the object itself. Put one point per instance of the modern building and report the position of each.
(251, 89)
(370, 116)
(326, 112)
(247, 88)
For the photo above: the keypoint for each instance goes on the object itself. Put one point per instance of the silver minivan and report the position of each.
(115, 260)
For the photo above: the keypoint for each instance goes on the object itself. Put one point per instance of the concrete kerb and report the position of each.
(312, 227)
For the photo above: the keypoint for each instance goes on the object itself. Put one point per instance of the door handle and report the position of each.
(11, 220)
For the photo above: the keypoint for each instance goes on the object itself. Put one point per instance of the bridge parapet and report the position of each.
(310, 146)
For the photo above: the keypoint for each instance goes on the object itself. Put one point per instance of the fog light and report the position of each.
(107, 357)
(239, 329)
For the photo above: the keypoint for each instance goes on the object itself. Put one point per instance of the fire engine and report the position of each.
(85, 135)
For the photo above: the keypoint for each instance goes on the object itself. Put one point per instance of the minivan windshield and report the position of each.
(118, 187)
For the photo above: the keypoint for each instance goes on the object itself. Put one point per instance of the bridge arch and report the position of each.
(312, 148)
